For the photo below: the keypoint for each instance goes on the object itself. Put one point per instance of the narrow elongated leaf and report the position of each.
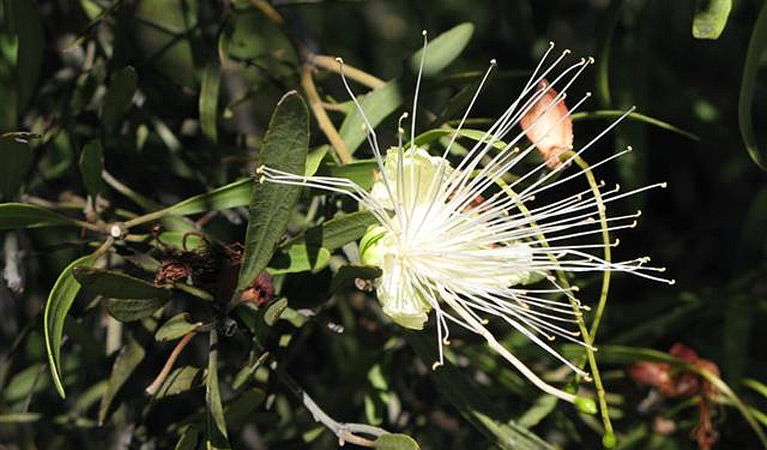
(110, 283)
(216, 422)
(232, 195)
(91, 166)
(756, 48)
(29, 29)
(239, 411)
(710, 18)
(285, 148)
(614, 114)
(119, 97)
(59, 303)
(16, 157)
(378, 105)
(443, 49)
(361, 172)
(299, 258)
(396, 442)
(211, 81)
(180, 380)
(335, 233)
(132, 309)
(20, 215)
(175, 327)
(188, 439)
(474, 406)
(126, 362)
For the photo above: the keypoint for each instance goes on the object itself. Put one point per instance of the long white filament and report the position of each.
(463, 254)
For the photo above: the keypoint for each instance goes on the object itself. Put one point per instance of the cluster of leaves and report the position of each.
(124, 318)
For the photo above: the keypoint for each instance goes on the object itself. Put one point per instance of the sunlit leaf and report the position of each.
(396, 442)
(299, 258)
(175, 327)
(710, 18)
(378, 104)
(336, 232)
(443, 50)
(57, 307)
(285, 148)
(181, 379)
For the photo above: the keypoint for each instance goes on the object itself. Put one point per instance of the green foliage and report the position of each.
(135, 224)
(285, 148)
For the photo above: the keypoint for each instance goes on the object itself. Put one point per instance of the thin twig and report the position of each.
(327, 127)
(152, 388)
(329, 63)
(346, 432)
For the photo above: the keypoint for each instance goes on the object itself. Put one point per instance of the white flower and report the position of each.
(458, 241)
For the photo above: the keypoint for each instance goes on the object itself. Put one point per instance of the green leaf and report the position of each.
(27, 417)
(91, 166)
(126, 362)
(361, 172)
(17, 157)
(285, 148)
(346, 275)
(119, 96)
(188, 439)
(756, 48)
(614, 114)
(29, 29)
(20, 215)
(57, 307)
(335, 233)
(132, 309)
(710, 18)
(274, 311)
(211, 81)
(757, 386)
(396, 442)
(182, 240)
(475, 135)
(110, 283)
(231, 195)
(240, 410)
(542, 407)
(378, 104)
(472, 404)
(180, 380)
(443, 50)
(175, 327)
(602, 69)
(216, 422)
(314, 158)
(299, 258)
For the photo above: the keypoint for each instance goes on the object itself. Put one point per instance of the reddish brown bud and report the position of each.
(547, 124)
